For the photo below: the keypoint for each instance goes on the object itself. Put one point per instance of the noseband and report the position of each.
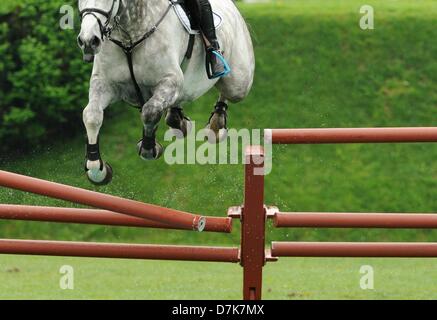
(105, 28)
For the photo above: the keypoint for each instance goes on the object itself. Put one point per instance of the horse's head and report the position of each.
(97, 16)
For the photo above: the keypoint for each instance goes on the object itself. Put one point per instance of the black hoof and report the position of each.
(151, 154)
(176, 120)
(100, 178)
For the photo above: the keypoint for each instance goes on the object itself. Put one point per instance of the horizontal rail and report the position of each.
(98, 217)
(120, 251)
(354, 249)
(350, 135)
(355, 220)
(102, 201)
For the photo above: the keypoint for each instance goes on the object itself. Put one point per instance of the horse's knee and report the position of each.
(92, 116)
(151, 113)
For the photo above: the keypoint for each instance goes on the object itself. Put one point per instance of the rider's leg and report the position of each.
(207, 23)
(208, 29)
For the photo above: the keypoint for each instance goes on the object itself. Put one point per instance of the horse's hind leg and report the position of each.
(233, 88)
(217, 122)
(148, 147)
(177, 120)
(165, 95)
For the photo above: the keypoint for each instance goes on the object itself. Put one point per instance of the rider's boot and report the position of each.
(216, 63)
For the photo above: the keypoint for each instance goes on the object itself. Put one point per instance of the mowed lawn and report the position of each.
(315, 68)
(39, 278)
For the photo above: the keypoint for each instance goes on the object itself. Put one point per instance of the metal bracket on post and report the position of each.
(271, 211)
(235, 212)
(270, 257)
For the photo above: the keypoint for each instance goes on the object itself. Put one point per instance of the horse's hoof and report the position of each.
(152, 154)
(214, 137)
(185, 128)
(100, 177)
(216, 128)
(180, 124)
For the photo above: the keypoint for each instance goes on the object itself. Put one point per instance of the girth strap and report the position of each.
(190, 48)
(140, 96)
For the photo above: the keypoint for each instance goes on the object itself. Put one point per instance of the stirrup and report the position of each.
(227, 68)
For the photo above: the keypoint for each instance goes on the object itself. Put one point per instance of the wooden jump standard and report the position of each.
(254, 207)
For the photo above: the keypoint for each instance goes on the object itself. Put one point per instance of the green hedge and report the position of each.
(43, 81)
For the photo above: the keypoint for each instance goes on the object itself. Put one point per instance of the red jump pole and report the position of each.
(355, 220)
(350, 135)
(98, 217)
(354, 249)
(120, 251)
(253, 224)
(102, 201)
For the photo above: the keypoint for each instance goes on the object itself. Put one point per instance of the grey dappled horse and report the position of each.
(149, 34)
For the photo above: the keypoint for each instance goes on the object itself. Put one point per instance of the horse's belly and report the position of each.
(127, 93)
(196, 82)
(194, 88)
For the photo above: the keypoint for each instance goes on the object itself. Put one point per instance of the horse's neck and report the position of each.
(140, 15)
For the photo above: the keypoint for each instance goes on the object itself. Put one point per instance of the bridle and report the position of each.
(105, 28)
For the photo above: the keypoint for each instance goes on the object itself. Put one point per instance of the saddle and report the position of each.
(187, 20)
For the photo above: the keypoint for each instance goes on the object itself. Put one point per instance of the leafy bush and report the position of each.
(43, 81)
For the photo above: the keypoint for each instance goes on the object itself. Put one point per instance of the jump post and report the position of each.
(252, 254)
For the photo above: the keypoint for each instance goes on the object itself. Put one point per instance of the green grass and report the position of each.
(39, 277)
(315, 68)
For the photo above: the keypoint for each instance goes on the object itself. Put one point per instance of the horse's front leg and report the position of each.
(165, 95)
(98, 171)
